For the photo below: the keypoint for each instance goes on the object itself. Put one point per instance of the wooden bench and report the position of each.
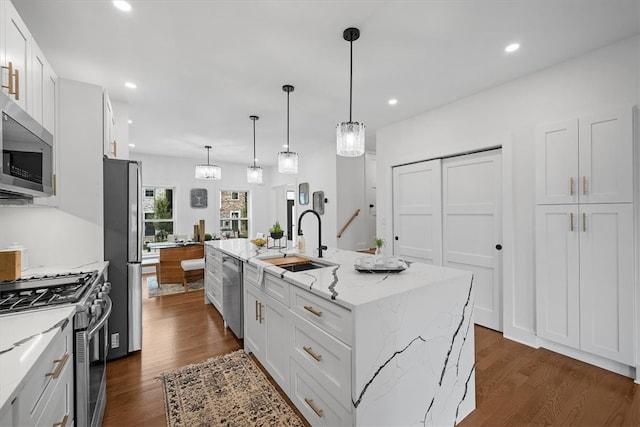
(170, 258)
(191, 268)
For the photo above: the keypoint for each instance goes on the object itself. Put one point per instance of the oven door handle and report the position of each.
(103, 319)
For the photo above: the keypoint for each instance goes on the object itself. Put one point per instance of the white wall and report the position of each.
(178, 173)
(319, 170)
(593, 82)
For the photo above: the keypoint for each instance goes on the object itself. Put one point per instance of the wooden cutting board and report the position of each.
(287, 260)
(10, 265)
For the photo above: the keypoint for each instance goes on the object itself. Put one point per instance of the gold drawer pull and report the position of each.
(317, 410)
(571, 222)
(584, 222)
(584, 185)
(257, 315)
(16, 74)
(313, 310)
(10, 78)
(571, 191)
(312, 354)
(60, 364)
(62, 423)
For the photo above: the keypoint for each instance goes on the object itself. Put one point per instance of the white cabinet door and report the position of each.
(50, 100)
(557, 274)
(16, 47)
(472, 228)
(254, 336)
(606, 281)
(36, 83)
(556, 158)
(606, 157)
(110, 145)
(417, 212)
(276, 350)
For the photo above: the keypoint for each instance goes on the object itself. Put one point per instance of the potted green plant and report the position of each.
(276, 231)
(379, 244)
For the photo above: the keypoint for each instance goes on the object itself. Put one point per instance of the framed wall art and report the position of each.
(198, 197)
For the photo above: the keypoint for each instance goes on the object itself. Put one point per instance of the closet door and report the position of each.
(417, 212)
(557, 163)
(472, 228)
(606, 157)
(606, 281)
(557, 274)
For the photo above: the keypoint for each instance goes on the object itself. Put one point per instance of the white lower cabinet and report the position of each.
(266, 332)
(300, 340)
(584, 278)
(213, 277)
(46, 399)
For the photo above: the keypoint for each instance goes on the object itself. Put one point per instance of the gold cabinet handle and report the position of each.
(571, 221)
(317, 410)
(313, 310)
(584, 222)
(309, 350)
(10, 77)
(114, 144)
(60, 364)
(62, 423)
(257, 316)
(571, 192)
(584, 185)
(16, 74)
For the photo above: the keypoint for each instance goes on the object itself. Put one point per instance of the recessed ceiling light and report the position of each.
(512, 47)
(130, 121)
(393, 101)
(122, 5)
(130, 85)
(132, 145)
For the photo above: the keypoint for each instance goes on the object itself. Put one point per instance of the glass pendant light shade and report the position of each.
(208, 171)
(287, 162)
(254, 175)
(350, 135)
(350, 139)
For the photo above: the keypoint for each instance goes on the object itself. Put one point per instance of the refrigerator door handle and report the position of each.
(134, 274)
(135, 216)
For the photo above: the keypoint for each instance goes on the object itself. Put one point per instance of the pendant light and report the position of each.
(287, 160)
(254, 173)
(350, 135)
(208, 171)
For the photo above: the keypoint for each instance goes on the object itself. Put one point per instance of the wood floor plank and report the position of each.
(516, 385)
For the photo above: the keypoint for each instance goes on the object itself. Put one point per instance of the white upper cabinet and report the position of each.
(606, 157)
(42, 90)
(110, 144)
(16, 54)
(586, 160)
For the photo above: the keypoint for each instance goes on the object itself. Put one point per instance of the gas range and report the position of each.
(47, 290)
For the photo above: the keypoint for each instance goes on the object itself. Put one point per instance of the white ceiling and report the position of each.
(203, 67)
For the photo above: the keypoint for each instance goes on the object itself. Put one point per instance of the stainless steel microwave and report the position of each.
(26, 170)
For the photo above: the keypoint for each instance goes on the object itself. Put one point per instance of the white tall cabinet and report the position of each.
(584, 234)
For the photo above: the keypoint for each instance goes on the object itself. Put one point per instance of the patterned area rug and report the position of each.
(228, 390)
(171, 288)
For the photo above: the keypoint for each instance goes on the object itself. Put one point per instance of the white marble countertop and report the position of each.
(57, 269)
(23, 338)
(341, 282)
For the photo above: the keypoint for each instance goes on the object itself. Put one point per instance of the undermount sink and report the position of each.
(295, 263)
(303, 267)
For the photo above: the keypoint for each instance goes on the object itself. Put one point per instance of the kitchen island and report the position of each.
(353, 348)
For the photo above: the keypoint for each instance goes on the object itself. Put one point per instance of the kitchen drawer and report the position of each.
(214, 279)
(307, 394)
(39, 386)
(277, 288)
(214, 265)
(60, 404)
(212, 252)
(213, 289)
(324, 357)
(328, 316)
(251, 273)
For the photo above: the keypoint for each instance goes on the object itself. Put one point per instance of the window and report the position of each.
(158, 215)
(233, 213)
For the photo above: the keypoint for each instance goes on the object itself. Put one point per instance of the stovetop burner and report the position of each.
(45, 290)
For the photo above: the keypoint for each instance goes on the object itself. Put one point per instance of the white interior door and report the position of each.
(417, 215)
(472, 228)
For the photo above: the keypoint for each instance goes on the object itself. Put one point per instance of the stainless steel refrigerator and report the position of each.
(123, 250)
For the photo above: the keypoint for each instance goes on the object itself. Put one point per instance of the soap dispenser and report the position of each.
(301, 244)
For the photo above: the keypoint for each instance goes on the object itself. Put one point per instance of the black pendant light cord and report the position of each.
(287, 122)
(254, 142)
(350, 77)
(208, 147)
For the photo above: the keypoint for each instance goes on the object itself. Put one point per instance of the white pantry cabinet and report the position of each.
(586, 160)
(584, 274)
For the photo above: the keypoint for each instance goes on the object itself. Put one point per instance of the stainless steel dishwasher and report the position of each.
(232, 294)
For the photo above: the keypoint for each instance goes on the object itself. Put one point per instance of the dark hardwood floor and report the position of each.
(515, 384)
